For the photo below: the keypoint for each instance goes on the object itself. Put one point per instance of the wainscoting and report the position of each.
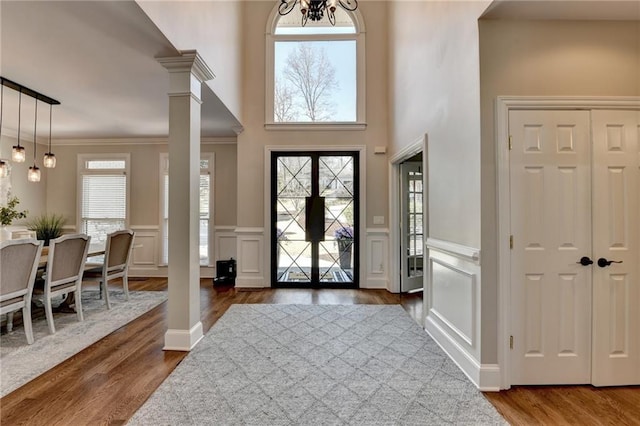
(254, 262)
(452, 303)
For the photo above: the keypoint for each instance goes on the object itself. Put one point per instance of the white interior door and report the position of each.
(551, 231)
(616, 236)
(412, 223)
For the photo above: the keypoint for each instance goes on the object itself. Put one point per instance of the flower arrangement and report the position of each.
(47, 226)
(343, 233)
(9, 213)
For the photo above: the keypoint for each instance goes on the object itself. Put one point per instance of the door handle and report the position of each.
(585, 261)
(603, 263)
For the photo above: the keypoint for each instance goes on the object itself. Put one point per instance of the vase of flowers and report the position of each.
(344, 239)
(8, 214)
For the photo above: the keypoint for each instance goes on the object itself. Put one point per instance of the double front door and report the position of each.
(575, 258)
(314, 219)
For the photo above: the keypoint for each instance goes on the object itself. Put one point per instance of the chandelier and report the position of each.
(18, 153)
(316, 9)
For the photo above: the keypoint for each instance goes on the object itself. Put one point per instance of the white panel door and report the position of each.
(551, 228)
(616, 237)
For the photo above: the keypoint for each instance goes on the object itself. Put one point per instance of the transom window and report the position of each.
(315, 73)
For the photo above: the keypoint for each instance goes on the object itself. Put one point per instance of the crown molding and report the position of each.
(189, 60)
(137, 141)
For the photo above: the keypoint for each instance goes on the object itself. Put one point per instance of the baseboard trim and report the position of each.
(183, 340)
(463, 359)
(244, 282)
(376, 284)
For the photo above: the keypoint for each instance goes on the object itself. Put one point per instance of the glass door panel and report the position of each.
(293, 186)
(314, 224)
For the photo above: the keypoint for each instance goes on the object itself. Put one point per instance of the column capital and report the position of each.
(188, 61)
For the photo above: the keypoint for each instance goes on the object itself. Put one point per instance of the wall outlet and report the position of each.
(378, 220)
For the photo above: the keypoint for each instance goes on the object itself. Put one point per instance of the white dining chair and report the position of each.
(18, 265)
(65, 265)
(116, 263)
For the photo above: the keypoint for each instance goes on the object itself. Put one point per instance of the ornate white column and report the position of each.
(186, 74)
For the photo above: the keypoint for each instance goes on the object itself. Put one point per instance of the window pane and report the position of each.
(330, 88)
(105, 164)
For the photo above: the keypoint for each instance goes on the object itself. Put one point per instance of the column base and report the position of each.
(183, 340)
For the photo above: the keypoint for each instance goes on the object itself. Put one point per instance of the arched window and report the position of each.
(315, 73)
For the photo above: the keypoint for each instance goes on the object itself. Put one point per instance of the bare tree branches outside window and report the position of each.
(304, 89)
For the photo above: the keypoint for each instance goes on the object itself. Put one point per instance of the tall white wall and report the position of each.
(214, 28)
(434, 88)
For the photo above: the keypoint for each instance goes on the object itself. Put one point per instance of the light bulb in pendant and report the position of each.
(34, 174)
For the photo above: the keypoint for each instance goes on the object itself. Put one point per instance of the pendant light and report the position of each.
(4, 167)
(18, 154)
(33, 175)
(49, 158)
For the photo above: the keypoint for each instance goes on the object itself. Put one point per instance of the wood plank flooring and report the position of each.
(107, 382)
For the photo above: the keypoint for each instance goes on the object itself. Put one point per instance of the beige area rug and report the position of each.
(317, 365)
(20, 362)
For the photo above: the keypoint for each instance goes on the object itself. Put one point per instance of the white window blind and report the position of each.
(103, 197)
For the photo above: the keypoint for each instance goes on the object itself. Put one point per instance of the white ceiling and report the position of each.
(609, 10)
(98, 59)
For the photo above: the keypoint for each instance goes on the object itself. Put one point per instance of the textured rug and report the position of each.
(316, 365)
(20, 362)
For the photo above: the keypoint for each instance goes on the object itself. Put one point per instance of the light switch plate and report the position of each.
(378, 220)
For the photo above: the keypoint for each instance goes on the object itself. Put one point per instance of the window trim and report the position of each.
(270, 39)
(83, 170)
(164, 171)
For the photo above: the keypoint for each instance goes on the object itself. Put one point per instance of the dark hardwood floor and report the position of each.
(107, 382)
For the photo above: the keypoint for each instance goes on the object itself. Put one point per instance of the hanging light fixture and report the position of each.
(33, 175)
(18, 153)
(4, 166)
(49, 158)
(316, 9)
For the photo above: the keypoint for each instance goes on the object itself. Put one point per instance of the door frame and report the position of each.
(361, 151)
(395, 231)
(503, 105)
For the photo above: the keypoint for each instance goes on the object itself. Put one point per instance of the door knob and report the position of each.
(585, 261)
(603, 263)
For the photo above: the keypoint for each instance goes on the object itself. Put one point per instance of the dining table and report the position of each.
(95, 249)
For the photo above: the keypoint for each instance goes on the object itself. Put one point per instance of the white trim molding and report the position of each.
(417, 146)
(470, 254)
(183, 340)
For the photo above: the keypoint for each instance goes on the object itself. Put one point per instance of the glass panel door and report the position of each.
(314, 219)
